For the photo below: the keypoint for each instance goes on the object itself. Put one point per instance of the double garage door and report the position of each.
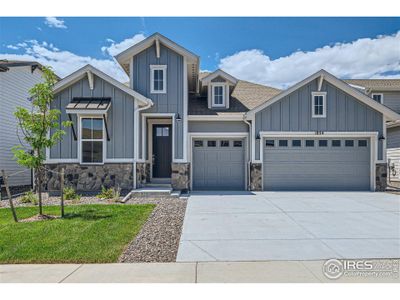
(218, 164)
(316, 164)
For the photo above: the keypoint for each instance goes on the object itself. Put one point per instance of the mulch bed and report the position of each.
(37, 218)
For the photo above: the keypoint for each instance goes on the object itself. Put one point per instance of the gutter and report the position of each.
(250, 151)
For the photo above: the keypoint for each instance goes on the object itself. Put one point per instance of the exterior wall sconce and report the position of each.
(178, 118)
(258, 136)
(381, 138)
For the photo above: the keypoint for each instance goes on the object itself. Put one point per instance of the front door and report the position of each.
(162, 151)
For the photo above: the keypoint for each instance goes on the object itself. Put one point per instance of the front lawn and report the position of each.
(87, 234)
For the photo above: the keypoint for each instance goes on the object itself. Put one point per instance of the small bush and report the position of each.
(110, 193)
(30, 197)
(70, 194)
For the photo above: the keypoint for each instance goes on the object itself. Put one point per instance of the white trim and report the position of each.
(148, 42)
(61, 161)
(221, 117)
(213, 86)
(104, 140)
(377, 94)
(158, 68)
(320, 82)
(384, 142)
(218, 135)
(81, 73)
(373, 136)
(88, 112)
(390, 114)
(316, 94)
(207, 80)
(185, 108)
(90, 79)
(157, 48)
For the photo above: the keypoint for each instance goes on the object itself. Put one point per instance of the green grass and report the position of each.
(87, 234)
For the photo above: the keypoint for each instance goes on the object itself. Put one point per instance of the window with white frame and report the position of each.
(377, 97)
(318, 105)
(158, 79)
(218, 95)
(92, 140)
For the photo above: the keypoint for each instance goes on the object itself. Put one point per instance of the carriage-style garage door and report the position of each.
(336, 164)
(219, 164)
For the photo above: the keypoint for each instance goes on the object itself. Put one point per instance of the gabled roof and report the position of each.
(124, 57)
(245, 96)
(376, 84)
(210, 76)
(390, 114)
(86, 70)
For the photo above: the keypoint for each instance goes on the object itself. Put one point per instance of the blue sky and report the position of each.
(241, 46)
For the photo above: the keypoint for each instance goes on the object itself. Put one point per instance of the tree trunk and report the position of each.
(39, 170)
(9, 196)
(62, 192)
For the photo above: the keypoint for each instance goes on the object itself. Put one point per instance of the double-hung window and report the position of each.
(158, 79)
(318, 104)
(218, 95)
(377, 97)
(92, 140)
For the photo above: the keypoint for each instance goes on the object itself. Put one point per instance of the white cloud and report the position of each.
(363, 58)
(64, 62)
(55, 23)
(12, 47)
(116, 48)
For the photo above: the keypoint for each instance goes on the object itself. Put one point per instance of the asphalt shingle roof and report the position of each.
(376, 84)
(245, 96)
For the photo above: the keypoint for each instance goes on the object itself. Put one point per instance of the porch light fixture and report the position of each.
(178, 118)
(258, 136)
(381, 138)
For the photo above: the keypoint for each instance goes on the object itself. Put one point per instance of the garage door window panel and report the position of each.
(296, 143)
(323, 143)
(283, 143)
(349, 143)
(336, 143)
(362, 143)
(270, 143)
(310, 143)
(211, 144)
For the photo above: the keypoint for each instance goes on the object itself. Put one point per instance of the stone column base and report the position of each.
(255, 177)
(180, 177)
(142, 174)
(381, 177)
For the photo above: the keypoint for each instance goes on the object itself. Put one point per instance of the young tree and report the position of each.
(35, 126)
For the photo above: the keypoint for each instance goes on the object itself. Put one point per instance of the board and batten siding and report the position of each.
(14, 91)
(120, 120)
(172, 100)
(344, 113)
(218, 126)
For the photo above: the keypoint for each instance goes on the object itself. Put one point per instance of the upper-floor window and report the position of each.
(158, 79)
(318, 104)
(377, 97)
(92, 140)
(218, 95)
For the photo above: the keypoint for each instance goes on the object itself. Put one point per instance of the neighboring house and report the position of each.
(387, 92)
(16, 79)
(207, 131)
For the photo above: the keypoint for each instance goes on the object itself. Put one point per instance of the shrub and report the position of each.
(110, 193)
(70, 194)
(30, 197)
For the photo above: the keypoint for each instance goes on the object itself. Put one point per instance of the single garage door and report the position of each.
(218, 164)
(316, 164)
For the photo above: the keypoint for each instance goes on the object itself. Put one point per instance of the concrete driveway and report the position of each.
(243, 226)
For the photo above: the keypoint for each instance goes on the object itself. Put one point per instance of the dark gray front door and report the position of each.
(219, 164)
(162, 151)
(316, 164)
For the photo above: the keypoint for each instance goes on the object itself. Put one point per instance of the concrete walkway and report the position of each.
(245, 226)
(205, 272)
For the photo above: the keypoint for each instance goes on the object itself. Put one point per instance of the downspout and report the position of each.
(136, 152)
(250, 151)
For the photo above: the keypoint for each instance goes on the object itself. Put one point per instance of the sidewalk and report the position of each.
(202, 272)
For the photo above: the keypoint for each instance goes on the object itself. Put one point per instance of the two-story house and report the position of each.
(206, 131)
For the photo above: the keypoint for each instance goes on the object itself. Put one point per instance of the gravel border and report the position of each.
(158, 241)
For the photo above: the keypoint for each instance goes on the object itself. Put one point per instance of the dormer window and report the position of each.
(318, 104)
(377, 97)
(218, 95)
(158, 79)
